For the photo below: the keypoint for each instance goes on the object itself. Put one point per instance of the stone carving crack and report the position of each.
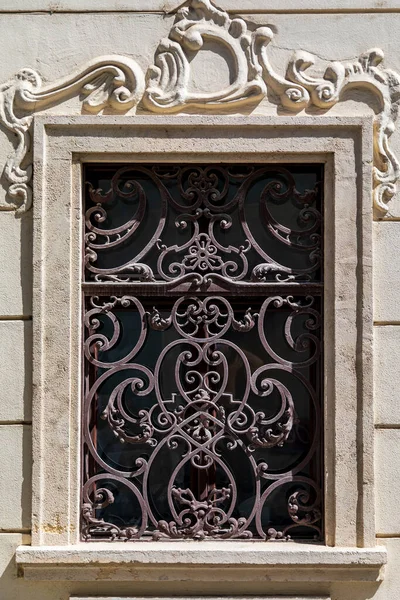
(117, 83)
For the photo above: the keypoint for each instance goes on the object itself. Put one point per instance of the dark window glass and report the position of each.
(203, 352)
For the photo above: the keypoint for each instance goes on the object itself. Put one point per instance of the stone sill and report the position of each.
(152, 561)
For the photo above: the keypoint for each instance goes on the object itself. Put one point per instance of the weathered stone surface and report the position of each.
(390, 589)
(170, 5)
(16, 255)
(15, 370)
(386, 271)
(15, 476)
(387, 461)
(13, 587)
(10, 585)
(387, 374)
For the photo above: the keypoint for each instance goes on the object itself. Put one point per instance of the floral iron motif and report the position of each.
(201, 429)
(202, 411)
(211, 207)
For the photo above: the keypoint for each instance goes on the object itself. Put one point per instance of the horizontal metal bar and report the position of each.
(165, 289)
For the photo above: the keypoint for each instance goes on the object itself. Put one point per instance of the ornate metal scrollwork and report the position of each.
(210, 216)
(202, 405)
(198, 410)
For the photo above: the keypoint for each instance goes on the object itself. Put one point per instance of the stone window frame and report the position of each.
(345, 146)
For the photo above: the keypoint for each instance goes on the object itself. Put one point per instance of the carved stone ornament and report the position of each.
(117, 83)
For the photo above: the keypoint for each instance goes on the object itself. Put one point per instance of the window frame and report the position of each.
(345, 146)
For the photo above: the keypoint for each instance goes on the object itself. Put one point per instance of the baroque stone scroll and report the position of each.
(109, 81)
(118, 84)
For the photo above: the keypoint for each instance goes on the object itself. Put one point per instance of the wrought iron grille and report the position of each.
(203, 296)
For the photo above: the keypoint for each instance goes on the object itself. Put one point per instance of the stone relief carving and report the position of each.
(167, 86)
(117, 83)
(168, 79)
(323, 92)
(110, 81)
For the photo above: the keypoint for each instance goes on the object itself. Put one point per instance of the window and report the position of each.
(345, 447)
(203, 302)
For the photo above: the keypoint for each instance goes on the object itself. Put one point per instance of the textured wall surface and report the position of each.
(55, 39)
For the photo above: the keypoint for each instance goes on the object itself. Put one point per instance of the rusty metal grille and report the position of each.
(203, 297)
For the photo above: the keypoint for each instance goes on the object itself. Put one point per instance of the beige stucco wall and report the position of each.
(54, 39)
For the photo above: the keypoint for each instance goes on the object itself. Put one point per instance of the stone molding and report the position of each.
(240, 561)
(116, 83)
(344, 145)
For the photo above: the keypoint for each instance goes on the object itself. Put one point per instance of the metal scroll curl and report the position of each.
(201, 225)
(204, 437)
